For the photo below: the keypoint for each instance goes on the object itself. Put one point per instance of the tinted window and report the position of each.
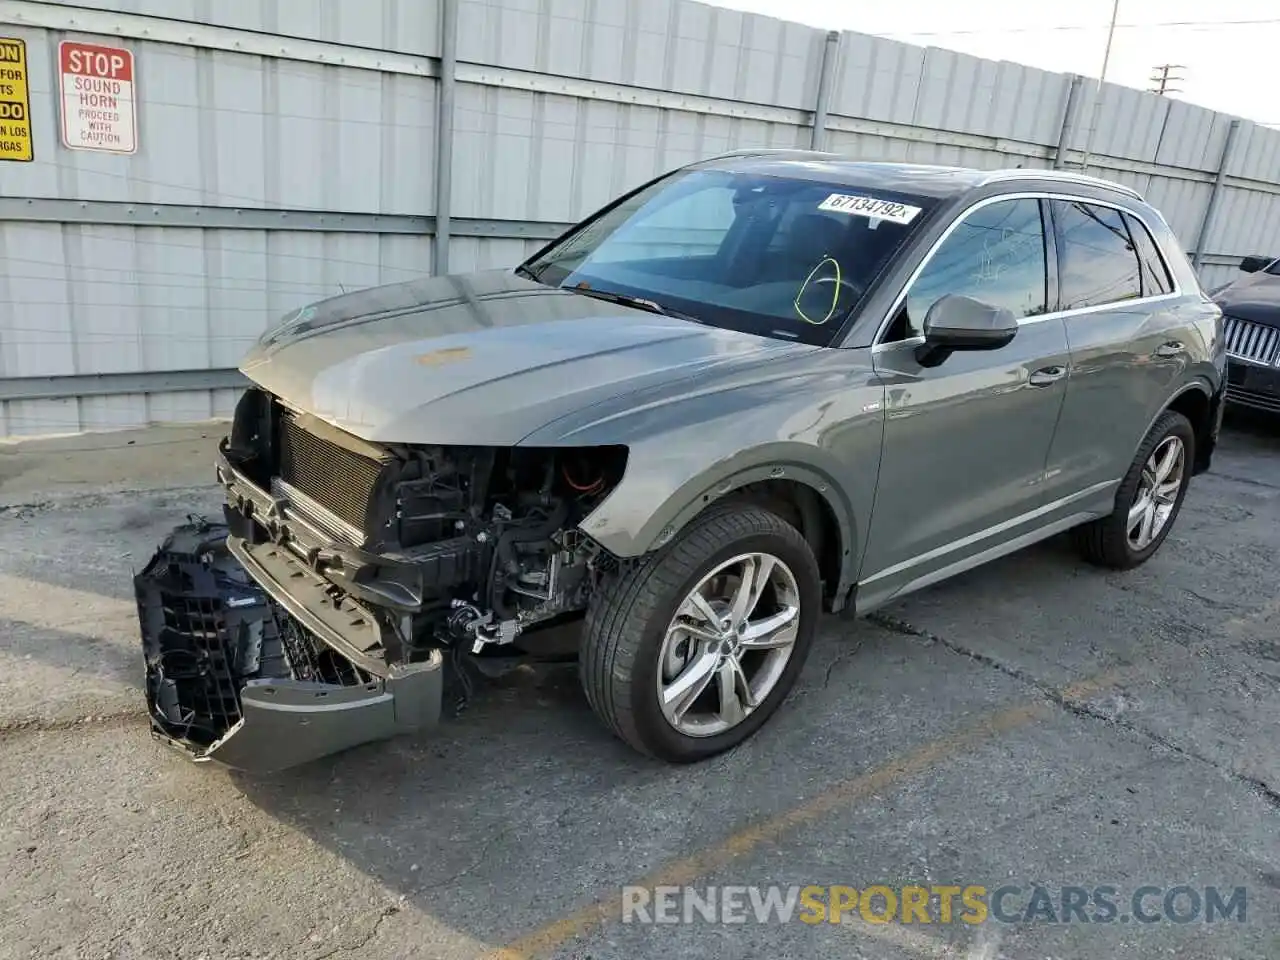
(1155, 275)
(777, 256)
(996, 255)
(1098, 264)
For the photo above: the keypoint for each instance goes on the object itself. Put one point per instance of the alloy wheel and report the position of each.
(728, 644)
(1157, 494)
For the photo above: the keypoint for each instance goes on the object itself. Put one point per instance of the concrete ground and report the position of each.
(1033, 722)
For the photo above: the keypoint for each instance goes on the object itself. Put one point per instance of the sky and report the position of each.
(1226, 50)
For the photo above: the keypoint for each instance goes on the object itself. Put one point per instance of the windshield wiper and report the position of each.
(626, 300)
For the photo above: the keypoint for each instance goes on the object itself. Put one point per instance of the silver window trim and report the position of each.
(876, 343)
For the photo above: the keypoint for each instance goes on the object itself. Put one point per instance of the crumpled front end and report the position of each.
(233, 677)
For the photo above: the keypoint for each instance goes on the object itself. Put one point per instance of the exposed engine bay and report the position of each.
(348, 574)
(443, 546)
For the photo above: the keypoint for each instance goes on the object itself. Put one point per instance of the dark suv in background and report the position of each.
(1251, 309)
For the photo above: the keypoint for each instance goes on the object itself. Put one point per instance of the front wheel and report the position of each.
(1148, 499)
(691, 651)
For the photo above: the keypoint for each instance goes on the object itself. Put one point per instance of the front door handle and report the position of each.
(1047, 375)
(1173, 348)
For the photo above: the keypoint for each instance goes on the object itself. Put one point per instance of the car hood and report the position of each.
(485, 358)
(1255, 297)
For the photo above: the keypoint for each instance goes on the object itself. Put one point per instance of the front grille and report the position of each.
(207, 628)
(1251, 341)
(338, 479)
(1254, 398)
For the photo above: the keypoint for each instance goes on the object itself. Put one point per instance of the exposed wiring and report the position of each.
(835, 291)
(589, 488)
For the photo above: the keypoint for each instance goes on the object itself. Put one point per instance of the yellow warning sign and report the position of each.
(15, 101)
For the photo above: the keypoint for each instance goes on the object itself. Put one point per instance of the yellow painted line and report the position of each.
(686, 870)
(912, 941)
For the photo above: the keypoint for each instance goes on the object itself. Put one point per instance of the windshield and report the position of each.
(774, 256)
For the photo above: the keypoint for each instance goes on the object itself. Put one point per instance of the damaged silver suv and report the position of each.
(759, 387)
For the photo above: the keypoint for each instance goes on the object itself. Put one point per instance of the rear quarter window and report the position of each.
(1155, 272)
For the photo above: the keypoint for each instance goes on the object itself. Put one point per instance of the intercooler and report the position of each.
(339, 480)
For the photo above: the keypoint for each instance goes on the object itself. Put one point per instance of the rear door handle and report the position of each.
(1173, 348)
(1047, 375)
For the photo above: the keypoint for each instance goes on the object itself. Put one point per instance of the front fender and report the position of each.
(627, 534)
(816, 419)
(653, 503)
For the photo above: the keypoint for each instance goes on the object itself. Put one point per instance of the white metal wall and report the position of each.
(287, 152)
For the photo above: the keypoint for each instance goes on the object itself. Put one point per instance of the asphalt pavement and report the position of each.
(1036, 722)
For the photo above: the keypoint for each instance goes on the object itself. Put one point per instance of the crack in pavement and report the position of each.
(1257, 786)
(389, 910)
(21, 726)
(480, 858)
(839, 659)
(900, 626)
(1247, 481)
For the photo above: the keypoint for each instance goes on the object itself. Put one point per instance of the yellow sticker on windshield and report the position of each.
(871, 207)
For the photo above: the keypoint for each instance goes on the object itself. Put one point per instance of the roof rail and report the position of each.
(772, 152)
(1066, 176)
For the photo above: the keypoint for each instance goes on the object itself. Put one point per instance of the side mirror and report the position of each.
(963, 323)
(1255, 263)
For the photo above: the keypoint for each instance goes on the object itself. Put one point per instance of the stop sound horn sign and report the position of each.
(99, 108)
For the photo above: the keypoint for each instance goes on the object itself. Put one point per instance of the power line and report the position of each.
(1163, 76)
(1059, 28)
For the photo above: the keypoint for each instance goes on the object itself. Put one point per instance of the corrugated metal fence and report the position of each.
(289, 149)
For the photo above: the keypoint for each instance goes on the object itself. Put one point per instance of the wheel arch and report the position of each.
(824, 514)
(1196, 402)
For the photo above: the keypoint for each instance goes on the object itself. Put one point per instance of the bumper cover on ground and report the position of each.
(233, 677)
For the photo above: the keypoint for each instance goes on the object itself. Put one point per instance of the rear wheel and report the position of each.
(691, 651)
(1148, 499)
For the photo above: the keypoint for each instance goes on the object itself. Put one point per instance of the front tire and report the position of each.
(1148, 500)
(689, 652)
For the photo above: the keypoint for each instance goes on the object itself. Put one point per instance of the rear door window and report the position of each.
(1098, 264)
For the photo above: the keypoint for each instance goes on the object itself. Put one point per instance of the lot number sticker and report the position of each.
(15, 102)
(870, 207)
(98, 107)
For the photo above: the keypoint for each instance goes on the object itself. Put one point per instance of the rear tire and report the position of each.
(649, 642)
(1147, 500)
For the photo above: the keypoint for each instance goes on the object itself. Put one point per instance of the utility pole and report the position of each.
(1163, 76)
(1102, 79)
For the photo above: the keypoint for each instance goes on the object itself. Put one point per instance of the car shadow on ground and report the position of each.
(527, 797)
(1254, 424)
(525, 807)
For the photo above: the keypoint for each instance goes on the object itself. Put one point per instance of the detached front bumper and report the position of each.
(234, 676)
(285, 723)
